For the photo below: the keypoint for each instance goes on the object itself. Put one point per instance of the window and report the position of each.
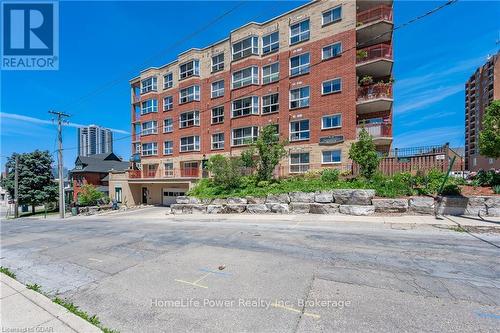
(218, 62)
(245, 135)
(245, 106)
(191, 118)
(218, 141)
(218, 115)
(299, 97)
(299, 130)
(331, 51)
(118, 194)
(168, 148)
(168, 103)
(189, 69)
(331, 156)
(218, 89)
(149, 149)
(169, 169)
(333, 121)
(149, 127)
(148, 84)
(148, 106)
(331, 86)
(270, 42)
(270, 103)
(168, 125)
(246, 47)
(299, 32)
(190, 143)
(245, 77)
(299, 162)
(299, 64)
(332, 15)
(271, 73)
(189, 94)
(168, 81)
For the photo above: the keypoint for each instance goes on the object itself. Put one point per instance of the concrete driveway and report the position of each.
(144, 271)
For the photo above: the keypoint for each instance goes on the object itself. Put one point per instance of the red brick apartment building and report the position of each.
(481, 89)
(319, 73)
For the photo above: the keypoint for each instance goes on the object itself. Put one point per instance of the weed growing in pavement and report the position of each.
(35, 287)
(7, 272)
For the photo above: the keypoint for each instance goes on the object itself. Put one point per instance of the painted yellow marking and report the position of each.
(93, 259)
(204, 276)
(192, 283)
(295, 310)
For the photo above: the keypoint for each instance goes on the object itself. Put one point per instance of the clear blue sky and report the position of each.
(101, 42)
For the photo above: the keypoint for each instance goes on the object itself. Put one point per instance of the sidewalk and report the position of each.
(24, 310)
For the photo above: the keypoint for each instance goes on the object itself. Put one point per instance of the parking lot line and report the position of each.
(204, 276)
(192, 283)
(295, 310)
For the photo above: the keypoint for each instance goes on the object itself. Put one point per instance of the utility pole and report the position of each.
(60, 116)
(16, 188)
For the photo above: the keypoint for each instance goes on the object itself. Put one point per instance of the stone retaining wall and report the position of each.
(350, 202)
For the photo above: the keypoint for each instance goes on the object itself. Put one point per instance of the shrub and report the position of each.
(89, 196)
(450, 189)
(330, 175)
(496, 189)
(226, 172)
(487, 178)
(363, 152)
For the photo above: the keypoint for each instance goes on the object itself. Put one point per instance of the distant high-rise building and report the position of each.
(93, 140)
(481, 89)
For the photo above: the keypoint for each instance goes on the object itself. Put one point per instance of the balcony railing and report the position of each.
(136, 99)
(374, 91)
(379, 51)
(382, 12)
(162, 173)
(376, 130)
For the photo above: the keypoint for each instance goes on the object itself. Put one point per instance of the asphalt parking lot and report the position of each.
(143, 271)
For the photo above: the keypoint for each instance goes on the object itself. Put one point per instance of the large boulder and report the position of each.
(422, 205)
(255, 200)
(177, 208)
(353, 197)
(390, 205)
(219, 201)
(236, 201)
(198, 209)
(279, 208)
(234, 209)
(214, 209)
(358, 210)
(257, 208)
(187, 200)
(323, 197)
(301, 196)
(300, 207)
(492, 205)
(327, 208)
(278, 198)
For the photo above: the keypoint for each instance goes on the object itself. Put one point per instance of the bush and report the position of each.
(330, 175)
(487, 178)
(450, 189)
(226, 172)
(89, 196)
(496, 189)
(363, 152)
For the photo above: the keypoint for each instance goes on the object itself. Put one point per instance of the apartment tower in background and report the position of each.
(319, 73)
(481, 89)
(93, 140)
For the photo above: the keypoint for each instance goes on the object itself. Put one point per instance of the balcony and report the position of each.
(374, 25)
(160, 173)
(381, 133)
(136, 99)
(375, 61)
(374, 98)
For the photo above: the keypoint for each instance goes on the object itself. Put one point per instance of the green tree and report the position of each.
(89, 195)
(489, 138)
(265, 153)
(226, 171)
(36, 182)
(363, 152)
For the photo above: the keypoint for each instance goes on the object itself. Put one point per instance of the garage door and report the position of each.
(169, 195)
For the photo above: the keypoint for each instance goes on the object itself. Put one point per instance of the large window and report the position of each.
(331, 86)
(331, 156)
(168, 81)
(270, 42)
(168, 125)
(218, 115)
(149, 127)
(218, 62)
(299, 32)
(245, 106)
(300, 64)
(168, 103)
(299, 162)
(245, 135)
(299, 97)
(149, 149)
(190, 143)
(148, 106)
(270, 103)
(332, 15)
(168, 148)
(189, 94)
(299, 130)
(218, 89)
(191, 118)
(246, 76)
(188, 69)
(333, 121)
(271, 73)
(246, 47)
(218, 141)
(331, 51)
(149, 84)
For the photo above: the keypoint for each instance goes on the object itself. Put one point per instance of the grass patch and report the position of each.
(7, 272)
(35, 287)
(458, 229)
